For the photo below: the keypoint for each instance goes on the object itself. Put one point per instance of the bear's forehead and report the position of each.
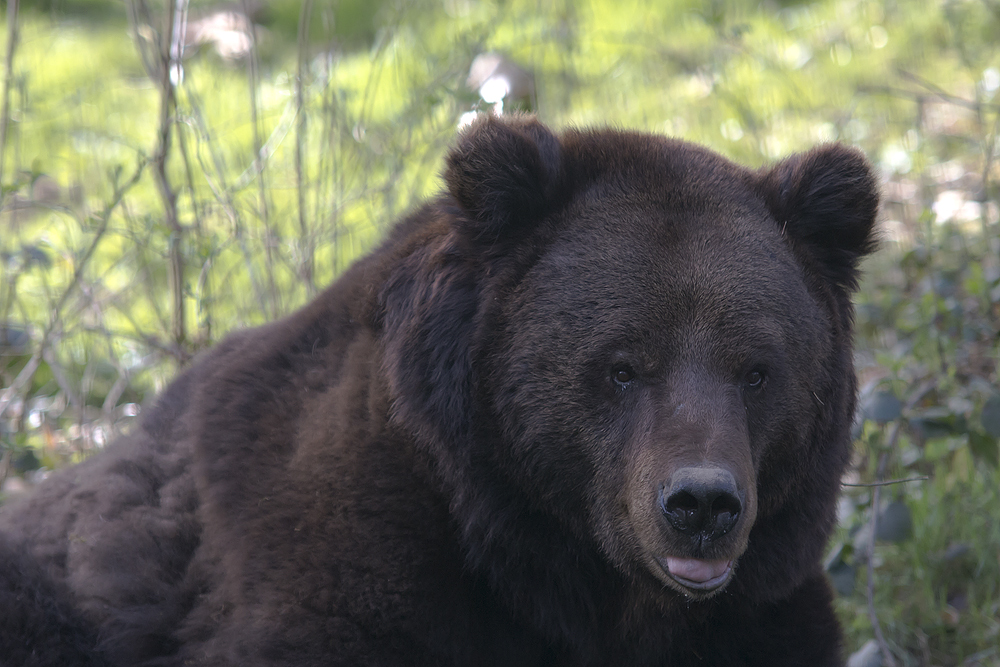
(652, 245)
(640, 164)
(629, 264)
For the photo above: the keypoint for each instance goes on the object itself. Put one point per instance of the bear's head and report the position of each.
(626, 354)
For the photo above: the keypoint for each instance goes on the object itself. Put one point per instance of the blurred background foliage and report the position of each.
(172, 170)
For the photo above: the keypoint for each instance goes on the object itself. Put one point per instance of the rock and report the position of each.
(868, 655)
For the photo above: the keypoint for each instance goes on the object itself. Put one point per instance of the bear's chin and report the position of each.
(697, 578)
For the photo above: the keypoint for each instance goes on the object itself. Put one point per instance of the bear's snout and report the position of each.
(701, 503)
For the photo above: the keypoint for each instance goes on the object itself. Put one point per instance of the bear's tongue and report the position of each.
(697, 571)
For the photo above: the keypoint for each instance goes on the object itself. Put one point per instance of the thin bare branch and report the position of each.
(260, 162)
(890, 482)
(887, 658)
(221, 190)
(28, 372)
(12, 37)
(168, 69)
(890, 446)
(23, 378)
(306, 242)
(138, 18)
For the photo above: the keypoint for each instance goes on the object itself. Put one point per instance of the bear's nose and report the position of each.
(701, 501)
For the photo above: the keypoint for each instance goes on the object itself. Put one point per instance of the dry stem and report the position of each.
(12, 37)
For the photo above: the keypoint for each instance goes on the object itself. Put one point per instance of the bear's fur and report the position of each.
(589, 407)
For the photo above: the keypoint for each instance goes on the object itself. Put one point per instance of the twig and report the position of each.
(161, 66)
(930, 90)
(104, 217)
(979, 657)
(168, 106)
(204, 324)
(305, 240)
(253, 75)
(222, 191)
(887, 658)
(939, 92)
(182, 128)
(12, 37)
(64, 383)
(150, 283)
(915, 397)
(263, 154)
(120, 384)
(28, 372)
(138, 18)
(890, 482)
(330, 188)
(5, 464)
(203, 297)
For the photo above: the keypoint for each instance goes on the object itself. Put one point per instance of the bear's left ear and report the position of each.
(504, 173)
(826, 201)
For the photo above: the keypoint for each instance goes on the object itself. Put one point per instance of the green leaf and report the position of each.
(25, 460)
(936, 449)
(985, 447)
(883, 407)
(991, 416)
(35, 255)
(895, 524)
(840, 570)
(842, 577)
(939, 422)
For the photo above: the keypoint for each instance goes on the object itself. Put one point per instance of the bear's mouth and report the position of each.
(697, 575)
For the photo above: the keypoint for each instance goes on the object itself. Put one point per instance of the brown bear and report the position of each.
(591, 406)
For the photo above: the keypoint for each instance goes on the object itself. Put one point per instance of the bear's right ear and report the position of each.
(504, 173)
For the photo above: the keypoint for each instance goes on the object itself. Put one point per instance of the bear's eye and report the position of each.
(754, 379)
(622, 375)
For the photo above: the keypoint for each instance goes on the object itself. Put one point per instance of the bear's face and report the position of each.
(657, 354)
(639, 342)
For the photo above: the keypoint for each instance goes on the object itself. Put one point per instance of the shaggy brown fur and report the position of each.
(590, 407)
